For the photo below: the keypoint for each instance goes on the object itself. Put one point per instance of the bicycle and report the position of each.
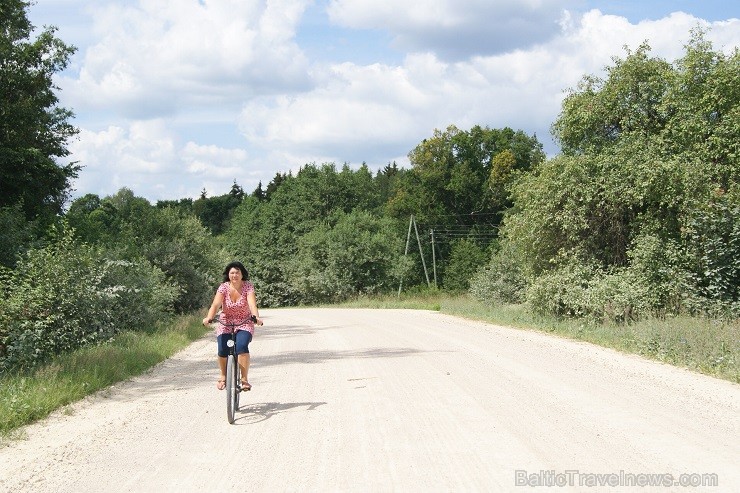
(233, 382)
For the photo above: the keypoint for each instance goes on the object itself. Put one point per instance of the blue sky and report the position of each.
(176, 96)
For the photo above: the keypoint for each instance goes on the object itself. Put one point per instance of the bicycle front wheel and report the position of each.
(232, 393)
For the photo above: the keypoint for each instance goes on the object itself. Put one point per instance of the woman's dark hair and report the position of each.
(237, 265)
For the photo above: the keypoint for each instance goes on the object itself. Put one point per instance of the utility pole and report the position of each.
(408, 240)
(412, 223)
(421, 252)
(434, 260)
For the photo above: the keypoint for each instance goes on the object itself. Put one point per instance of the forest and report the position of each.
(638, 215)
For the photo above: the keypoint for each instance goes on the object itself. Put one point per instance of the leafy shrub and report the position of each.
(501, 280)
(67, 295)
(136, 293)
(168, 238)
(653, 284)
(713, 240)
(562, 291)
(617, 297)
(655, 270)
(642, 149)
(181, 247)
(358, 255)
(16, 234)
(466, 257)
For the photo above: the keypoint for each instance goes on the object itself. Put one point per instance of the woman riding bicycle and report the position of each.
(235, 296)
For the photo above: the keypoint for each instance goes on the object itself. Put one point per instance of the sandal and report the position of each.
(246, 385)
(221, 384)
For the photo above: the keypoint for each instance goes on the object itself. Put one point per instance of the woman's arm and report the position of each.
(252, 301)
(218, 300)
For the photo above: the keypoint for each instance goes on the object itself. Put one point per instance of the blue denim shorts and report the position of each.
(243, 338)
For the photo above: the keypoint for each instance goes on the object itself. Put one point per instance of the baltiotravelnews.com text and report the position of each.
(574, 477)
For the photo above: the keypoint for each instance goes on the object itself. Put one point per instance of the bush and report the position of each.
(182, 248)
(17, 234)
(501, 280)
(67, 295)
(653, 284)
(563, 291)
(359, 254)
(645, 192)
(170, 239)
(136, 293)
(655, 270)
(466, 258)
(713, 242)
(617, 297)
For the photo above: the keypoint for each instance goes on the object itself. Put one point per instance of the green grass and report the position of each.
(30, 396)
(707, 346)
(428, 300)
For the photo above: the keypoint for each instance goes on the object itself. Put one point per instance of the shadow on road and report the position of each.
(171, 375)
(282, 331)
(255, 413)
(311, 357)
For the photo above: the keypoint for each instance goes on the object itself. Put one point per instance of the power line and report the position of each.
(471, 236)
(474, 214)
(463, 231)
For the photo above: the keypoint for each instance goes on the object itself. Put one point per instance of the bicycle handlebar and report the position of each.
(253, 318)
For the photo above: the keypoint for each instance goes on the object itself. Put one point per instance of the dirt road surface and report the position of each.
(392, 400)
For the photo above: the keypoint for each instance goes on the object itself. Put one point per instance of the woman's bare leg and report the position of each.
(243, 360)
(222, 367)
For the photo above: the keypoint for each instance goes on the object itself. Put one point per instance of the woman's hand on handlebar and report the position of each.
(207, 321)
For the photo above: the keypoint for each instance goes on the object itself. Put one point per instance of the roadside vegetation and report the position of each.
(28, 396)
(629, 238)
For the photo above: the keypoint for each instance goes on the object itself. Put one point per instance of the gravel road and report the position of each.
(392, 400)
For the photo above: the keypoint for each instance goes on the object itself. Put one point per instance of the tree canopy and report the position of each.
(34, 130)
(643, 204)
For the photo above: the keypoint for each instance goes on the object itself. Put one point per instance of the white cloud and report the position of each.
(155, 58)
(148, 156)
(213, 161)
(367, 112)
(355, 109)
(118, 157)
(455, 29)
(194, 95)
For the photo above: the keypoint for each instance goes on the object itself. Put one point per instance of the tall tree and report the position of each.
(452, 173)
(34, 130)
(349, 254)
(266, 234)
(599, 113)
(236, 191)
(258, 192)
(387, 179)
(459, 185)
(216, 212)
(274, 184)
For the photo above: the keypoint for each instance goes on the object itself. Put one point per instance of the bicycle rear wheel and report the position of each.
(232, 393)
